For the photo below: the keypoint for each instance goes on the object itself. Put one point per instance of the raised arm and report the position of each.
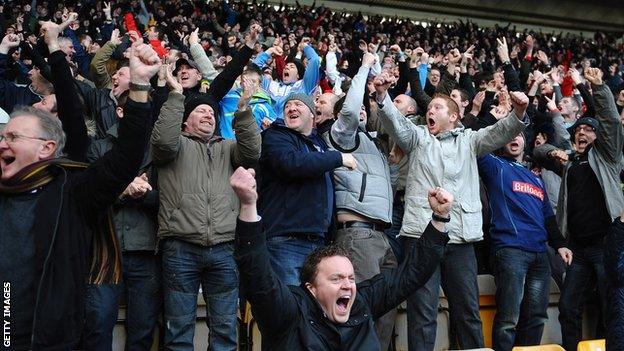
(495, 136)
(388, 289)
(609, 136)
(246, 151)
(109, 176)
(199, 56)
(69, 106)
(312, 75)
(344, 130)
(99, 73)
(272, 303)
(400, 129)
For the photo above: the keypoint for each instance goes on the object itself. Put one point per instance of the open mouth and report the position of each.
(582, 142)
(7, 160)
(430, 122)
(342, 303)
(514, 145)
(286, 74)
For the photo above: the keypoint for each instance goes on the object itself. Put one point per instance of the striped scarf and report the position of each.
(106, 255)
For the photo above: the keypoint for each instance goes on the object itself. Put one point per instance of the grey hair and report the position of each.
(50, 126)
(64, 41)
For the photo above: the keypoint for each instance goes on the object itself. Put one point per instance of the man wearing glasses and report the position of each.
(54, 212)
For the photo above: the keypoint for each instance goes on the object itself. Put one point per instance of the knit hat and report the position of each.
(307, 100)
(200, 99)
(583, 121)
(300, 66)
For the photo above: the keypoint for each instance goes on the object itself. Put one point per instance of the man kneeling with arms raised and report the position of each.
(324, 313)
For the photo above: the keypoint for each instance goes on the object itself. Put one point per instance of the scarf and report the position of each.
(106, 255)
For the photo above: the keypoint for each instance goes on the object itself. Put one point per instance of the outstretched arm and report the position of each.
(272, 303)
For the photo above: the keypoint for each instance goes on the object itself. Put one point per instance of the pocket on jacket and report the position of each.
(417, 215)
(472, 221)
(187, 217)
(224, 213)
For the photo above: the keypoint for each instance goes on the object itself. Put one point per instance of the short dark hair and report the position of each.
(252, 69)
(308, 271)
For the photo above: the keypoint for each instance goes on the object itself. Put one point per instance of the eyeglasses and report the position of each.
(585, 128)
(10, 137)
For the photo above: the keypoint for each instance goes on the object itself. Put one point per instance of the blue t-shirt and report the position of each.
(518, 203)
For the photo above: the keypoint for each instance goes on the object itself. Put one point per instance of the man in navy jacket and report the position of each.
(296, 190)
(522, 223)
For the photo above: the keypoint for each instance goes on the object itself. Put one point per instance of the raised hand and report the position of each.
(440, 201)
(194, 37)
(520, 102)
(575, 75)
(593, 75)
(550, 104)
(254, 31)
(115, 39)
(503, 50)
(454, 56)
(249, 88)
(107, 11)
(477, 102)
(173, 81)
(368, 60)
(243, 183)
(467, 56)
(144, 63)
(541, 55)
(415, 57)
(9, 41)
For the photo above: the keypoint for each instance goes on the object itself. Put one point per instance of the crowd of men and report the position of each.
(150, 149)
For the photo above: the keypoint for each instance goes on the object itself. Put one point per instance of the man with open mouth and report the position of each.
(590, 198)
(328, 310)
(443, 153)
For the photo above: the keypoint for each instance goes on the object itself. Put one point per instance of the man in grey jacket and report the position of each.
(443, 154)
(363, 196)
(589, 199)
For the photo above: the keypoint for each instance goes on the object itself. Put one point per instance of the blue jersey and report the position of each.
(518, 204)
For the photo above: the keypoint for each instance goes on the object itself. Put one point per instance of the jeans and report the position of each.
(141, 281)
(370, 254)
(522, 286)
(398, 209)
(584, 274)
(185, 266)
(458, 275)
(287, 254)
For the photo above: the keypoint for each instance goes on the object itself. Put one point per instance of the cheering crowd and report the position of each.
(322, 166)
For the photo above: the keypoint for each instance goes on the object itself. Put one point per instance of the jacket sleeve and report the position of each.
(225, 80)
(422, 99)
(344, 130)
(272, 303)
(609, 136)
(400, 129)
(511, 78)
(590, 109)
(388, 289)
(495, 136)
(540, 154)
(447, 84)
(70, 108)
(105, 179)
(206, 67)
(311, 76)
(404, 75)
(100, 75)
(167, 130)
(562, 136)
(280, 152)
(246, 152)
(465, 82)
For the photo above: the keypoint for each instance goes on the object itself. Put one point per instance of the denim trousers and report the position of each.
(142, 285)
(288, 252)
(522, 287)
(185, 267)
(370, 254)
(586, 273)
(457, 274)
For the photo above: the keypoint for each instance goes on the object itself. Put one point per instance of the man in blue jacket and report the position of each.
(296, 191)
(522, 223)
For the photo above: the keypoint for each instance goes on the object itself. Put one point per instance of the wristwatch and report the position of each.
(437, 218)
(140, 87)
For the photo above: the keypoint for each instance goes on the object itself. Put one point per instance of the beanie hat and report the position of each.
(200, 99)
(583, 121)
(307, 100)
(300, 66)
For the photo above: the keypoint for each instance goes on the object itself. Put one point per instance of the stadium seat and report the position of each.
(551, 347)
(592, 345)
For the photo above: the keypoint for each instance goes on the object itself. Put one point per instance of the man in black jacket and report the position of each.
(328, 311)
(53, 210)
